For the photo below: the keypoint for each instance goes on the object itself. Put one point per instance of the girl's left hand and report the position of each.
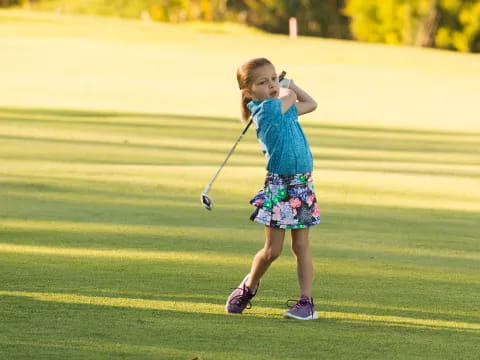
(285, 83)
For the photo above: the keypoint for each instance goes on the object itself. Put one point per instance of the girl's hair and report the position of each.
(245, 80)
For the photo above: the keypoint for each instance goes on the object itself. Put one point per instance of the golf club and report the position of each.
(207, 200)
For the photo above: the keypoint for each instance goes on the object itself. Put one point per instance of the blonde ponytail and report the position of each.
(244, 110)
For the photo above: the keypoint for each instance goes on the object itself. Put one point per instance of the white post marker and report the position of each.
(292, 27)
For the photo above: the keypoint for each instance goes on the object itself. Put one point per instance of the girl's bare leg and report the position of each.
(301, 250)
(261, 262)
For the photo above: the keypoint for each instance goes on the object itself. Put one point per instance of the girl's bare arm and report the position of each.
(305, 103)
(288, 98)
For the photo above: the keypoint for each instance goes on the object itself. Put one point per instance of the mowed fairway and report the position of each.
(106, 143)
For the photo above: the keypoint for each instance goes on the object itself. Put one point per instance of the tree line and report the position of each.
(446, 24)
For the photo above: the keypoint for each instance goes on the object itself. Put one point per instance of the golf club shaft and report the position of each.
(207, 188)
(250, 120)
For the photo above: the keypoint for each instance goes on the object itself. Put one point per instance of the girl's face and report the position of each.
(265, 84)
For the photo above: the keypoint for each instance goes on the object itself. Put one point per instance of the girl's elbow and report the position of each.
(314, 106)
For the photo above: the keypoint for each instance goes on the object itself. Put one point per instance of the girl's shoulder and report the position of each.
(267, 107)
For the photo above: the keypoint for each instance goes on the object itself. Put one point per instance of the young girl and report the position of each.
(287, 200)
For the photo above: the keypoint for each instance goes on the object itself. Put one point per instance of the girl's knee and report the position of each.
(271, 254)
(300, 247)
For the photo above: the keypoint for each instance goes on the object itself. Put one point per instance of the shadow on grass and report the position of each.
(100, 215)
(155, 225)
(135, 327)
(8, 112)
(49, 210)
(248, 156)
(206, 278)
(390, 141)
(169, 304)
(212, 313)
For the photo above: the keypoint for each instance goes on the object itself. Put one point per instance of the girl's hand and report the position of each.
(286, 83)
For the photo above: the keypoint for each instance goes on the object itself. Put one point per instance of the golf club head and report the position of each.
(207, 201)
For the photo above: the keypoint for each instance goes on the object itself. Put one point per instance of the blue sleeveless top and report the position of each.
(281, 137)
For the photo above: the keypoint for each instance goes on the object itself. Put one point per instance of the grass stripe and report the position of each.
(209, 308)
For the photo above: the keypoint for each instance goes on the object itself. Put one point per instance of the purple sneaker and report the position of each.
(240, 298)
(302, 310)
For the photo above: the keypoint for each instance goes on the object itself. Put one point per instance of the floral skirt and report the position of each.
(286, 202)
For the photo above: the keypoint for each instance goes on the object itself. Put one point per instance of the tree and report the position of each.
(314, 17)
(450, 24)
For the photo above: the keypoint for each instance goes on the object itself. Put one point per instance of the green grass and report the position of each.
(106, 251)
